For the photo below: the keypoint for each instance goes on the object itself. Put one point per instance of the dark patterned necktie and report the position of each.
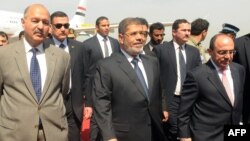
(182, 66)
(35, 74)
(140, 75)
(62, 46)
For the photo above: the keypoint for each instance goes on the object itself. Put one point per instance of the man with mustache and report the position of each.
(176, 58)
(34, 80)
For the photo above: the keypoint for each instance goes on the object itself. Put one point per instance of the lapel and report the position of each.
(247, 48)
(129, 71)
(20, 57)
(171, 53)
(50, 57)
(214, 78)
(236, 82)
(112, 44)
(72, 53)
(149, 72)
(97, 46)
(188, 55)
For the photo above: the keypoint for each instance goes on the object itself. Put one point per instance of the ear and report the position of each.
(209, 51)
(120, 38)
(22, 21)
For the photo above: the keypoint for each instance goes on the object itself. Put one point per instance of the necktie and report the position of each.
(225, 82)
(182, 66)
(62, 46)
(35, 74)
(140, 75)
(106, 50)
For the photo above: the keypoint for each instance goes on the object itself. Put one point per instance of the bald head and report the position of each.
(221, 50)
(36, 24)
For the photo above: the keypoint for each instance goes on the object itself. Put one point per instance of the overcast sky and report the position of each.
(216, 12)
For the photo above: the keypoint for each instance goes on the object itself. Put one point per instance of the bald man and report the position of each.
(34, 81)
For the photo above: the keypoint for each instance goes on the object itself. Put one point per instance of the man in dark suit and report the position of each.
(156, 34)
(34, 79)
(173, 71)
(212, 94)
(75, 103)
(97, 47)
(242, 56)
(127, 92)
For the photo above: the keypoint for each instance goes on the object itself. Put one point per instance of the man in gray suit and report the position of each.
(127, 91)
(34, 81)
(212, 94)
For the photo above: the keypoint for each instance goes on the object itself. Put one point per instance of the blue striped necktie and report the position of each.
(140, 75)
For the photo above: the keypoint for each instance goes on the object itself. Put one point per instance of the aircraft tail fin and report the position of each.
(80, 15)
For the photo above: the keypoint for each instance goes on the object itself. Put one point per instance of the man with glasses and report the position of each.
(75, 101)
(127, 90)
(156, 34)
(212, 94)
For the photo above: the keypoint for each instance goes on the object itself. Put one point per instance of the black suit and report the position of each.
(92, 55)
(242, 56)
(147, 50)
(121, 108)
(168, 66)
(75, 103)
(205, 106)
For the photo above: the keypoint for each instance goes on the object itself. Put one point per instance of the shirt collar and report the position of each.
(129, 57)
(57, 43)
(100, 38)
(176, 46)
(28, 47)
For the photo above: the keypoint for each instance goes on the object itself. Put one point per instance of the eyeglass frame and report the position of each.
(135, 33)
(225, 52)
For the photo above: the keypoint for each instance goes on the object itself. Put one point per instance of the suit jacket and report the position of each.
(78, 70)
(205, 106)
(19, 108)
(147, 50)
(121, 108)
(168, 66)
(242, 56)
(93, 55)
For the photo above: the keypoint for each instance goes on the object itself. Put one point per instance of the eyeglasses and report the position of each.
(224, 52)
(134, 34)
(59, 26)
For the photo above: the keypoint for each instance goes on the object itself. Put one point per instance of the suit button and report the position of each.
(39, 107)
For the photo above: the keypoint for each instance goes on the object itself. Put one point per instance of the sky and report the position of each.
(217, 12)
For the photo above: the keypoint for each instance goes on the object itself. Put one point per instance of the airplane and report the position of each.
(10, 22)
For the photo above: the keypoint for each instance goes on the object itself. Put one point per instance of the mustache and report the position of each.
(39, 32)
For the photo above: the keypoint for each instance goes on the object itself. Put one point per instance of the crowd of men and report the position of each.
(129, 89)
